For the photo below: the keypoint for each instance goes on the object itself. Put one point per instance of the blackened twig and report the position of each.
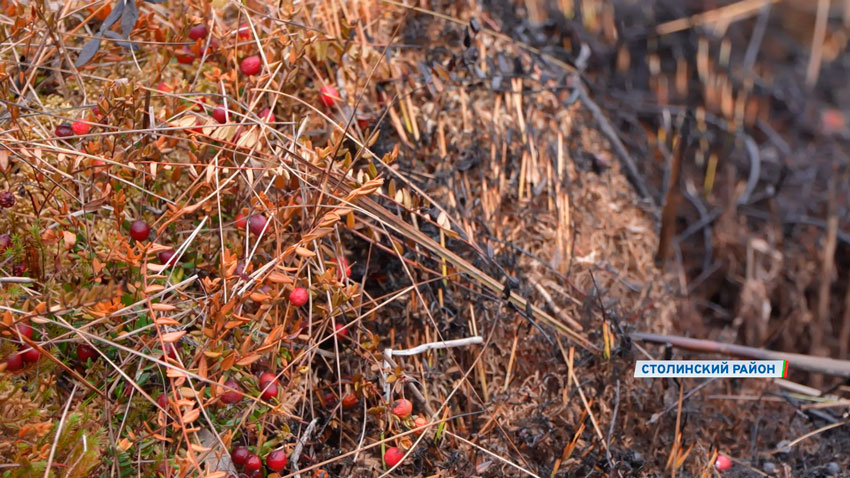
(693, 197)
(605, 127)
(755, 169)
(657, 415)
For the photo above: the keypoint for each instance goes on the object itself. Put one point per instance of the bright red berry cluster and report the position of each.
(27, 354)
(250, 464)
(256, 223)
(268, 386)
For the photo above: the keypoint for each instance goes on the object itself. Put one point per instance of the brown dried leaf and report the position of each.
(248, 360)
(304, 252)
(172, 337)
(154, 288)
(228, 361)
(159, 306)
(191, 415)
(175, 373)
(69, 238)
(198, 448)
(317, 233)
(278, 278)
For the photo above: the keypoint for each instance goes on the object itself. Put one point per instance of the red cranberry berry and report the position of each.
(198, 104)
(199, 127)
(267, 115)
(253, 463)
(419, 423)
(341, 330)
(86, 352)
(256, 224)
(14, 362)
(167, 257)
(328, 95)
(198, 31)
(402, 408)
(19, 270)
(80, 127)
(343, 270)
(7, 199)
(25, 329)
(31, 355)
(170, 351)
(139, 230)
(393, 456)
(244, 31)
(266, 378)
(722, 463)
(298, 296)
(162, 400)
(185, 56)
(241, 221)
(350, 400)
(220, 114)
(239, 454)
(270, 391)
(276, 460)
(64, 130)
(251, 65)
(231, 396)
(363, 120)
